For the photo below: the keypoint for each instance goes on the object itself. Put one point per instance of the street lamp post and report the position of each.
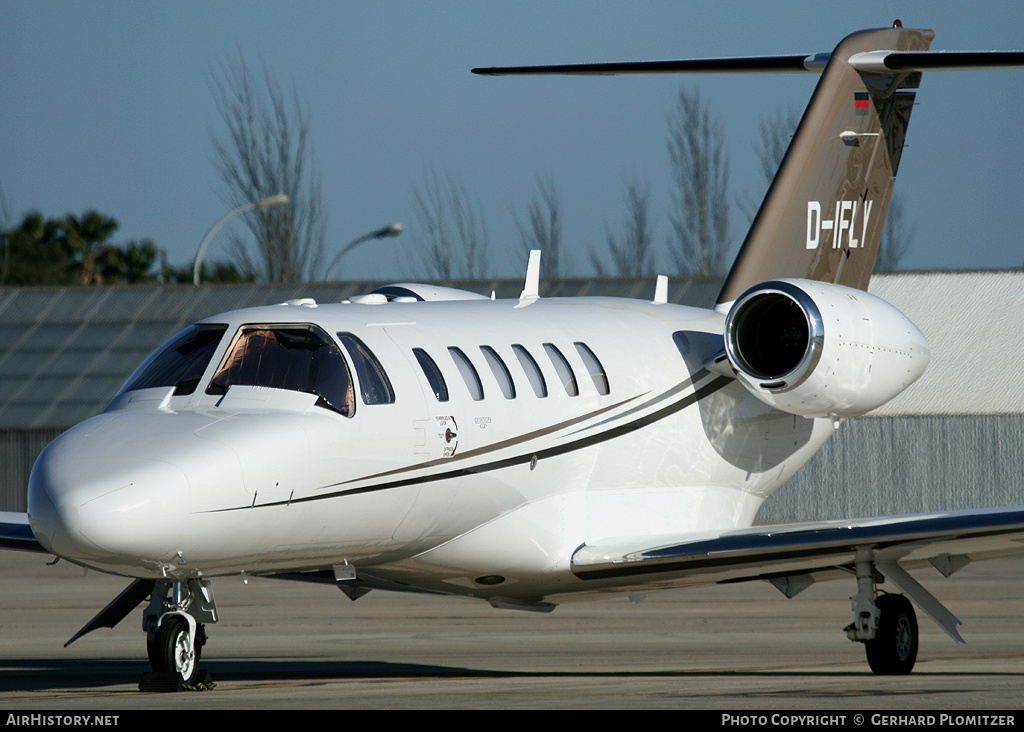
(262, 203)
(382, 233)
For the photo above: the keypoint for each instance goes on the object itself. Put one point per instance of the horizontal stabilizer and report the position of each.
(881, 62)
(824, 215)
(874, 62)
(796, 64)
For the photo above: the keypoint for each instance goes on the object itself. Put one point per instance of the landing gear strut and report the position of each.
(885, 624)
(175, 634)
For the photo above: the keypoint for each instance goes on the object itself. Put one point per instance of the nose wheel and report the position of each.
(174, 625)
(176, 648)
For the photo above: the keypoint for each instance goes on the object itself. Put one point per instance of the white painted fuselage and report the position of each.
(434, 494)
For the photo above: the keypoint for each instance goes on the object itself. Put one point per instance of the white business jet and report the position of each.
(535, 451)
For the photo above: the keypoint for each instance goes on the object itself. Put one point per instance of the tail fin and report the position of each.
(823, 216)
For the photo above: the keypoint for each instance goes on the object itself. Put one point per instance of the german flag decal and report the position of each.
(861, 102)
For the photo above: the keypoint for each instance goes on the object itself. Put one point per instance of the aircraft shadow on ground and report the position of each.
(96, 674)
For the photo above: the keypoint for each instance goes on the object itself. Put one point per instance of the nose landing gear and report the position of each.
(177, 646)
(175, 634)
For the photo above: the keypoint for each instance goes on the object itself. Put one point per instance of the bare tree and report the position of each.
(450, 235)
(266, 150)
(777, 131)
(700, 169)
(632, 255)
(543, 229)
(897, 237)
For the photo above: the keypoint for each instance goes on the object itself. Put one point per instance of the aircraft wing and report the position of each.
(792, 556)
(15, 533)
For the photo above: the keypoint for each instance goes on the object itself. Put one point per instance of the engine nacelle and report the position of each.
(818, 349)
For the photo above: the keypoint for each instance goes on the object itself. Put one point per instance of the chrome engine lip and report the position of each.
(779, 383)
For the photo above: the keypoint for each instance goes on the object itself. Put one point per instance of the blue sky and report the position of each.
(107, 105)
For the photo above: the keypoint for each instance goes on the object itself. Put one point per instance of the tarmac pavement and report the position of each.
(287, 645)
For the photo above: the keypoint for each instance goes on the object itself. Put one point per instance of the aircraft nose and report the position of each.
(42, 511)
(91, 502)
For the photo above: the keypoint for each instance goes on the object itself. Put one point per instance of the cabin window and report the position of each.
(532, 370)
(433, 374)
(468, 371)
(500, 371)
(374, 385)
(180, 362)
(563, 369)
(293, 357)
(594, 367)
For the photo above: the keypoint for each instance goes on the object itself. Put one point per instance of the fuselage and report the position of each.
(474, 440)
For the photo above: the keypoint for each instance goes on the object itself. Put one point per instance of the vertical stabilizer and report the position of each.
(823, 216)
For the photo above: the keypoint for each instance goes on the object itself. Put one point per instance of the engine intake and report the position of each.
(818, 349)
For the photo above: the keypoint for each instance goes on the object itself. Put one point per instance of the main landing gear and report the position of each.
(893, 650)
(887, 624)
(173, 621)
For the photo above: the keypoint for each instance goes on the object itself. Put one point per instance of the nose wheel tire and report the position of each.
(172, 650)
(893, 651)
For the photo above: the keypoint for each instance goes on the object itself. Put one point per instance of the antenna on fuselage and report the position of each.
(661, 290)
(531, 289)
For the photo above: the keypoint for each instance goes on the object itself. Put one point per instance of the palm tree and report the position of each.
(85, 238)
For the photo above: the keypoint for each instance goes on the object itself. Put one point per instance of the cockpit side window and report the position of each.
(374, 385)
(293, 357)
(181, 362)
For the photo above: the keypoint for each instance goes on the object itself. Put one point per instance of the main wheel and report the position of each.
(893, 650)
(171, 650)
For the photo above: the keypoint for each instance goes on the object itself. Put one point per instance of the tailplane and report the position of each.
(824, 213)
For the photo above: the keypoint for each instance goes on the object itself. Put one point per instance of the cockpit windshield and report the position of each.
(181, 362)
(294, 357)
